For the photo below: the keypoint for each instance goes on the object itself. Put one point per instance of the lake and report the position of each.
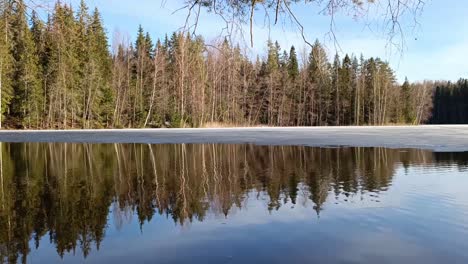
(228, 203)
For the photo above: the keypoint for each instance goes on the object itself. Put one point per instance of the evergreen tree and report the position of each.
(406, 101)
(284, 61)
(272, 81)
(64, 95)
(38, 35)
(355, 91)
(85, 64)
(142, 69)
(319, 79)
(27, 102)
(369, 94)
(273, 56)
(61, 74)
(38, 30)
(345, 89)
(336, 68)
(293, 65)
(6, 59)
(149, 46)
(102, 61)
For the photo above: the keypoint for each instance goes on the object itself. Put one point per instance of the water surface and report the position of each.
(212, 203)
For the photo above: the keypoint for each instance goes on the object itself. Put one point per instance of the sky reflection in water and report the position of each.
(121, 203)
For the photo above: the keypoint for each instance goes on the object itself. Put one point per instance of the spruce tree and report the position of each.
(61, 74)
(38, 35)
(273, 56)
(149, 46)
(85, 66)
(273, 66)
(369, 88)
(65, 97)
(284, 61)
(336, 89)
(345, 90)
(102, 60)
(27, 100)
(140, 65)
(406, 101)
(293, 65)
(6, 59)
(318, 78)
(38, 30)
(355, 92)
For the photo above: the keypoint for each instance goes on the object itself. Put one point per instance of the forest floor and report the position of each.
(434, 137)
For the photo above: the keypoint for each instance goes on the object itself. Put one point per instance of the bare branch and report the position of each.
(236, 13)
(251, 22)
(277, 10)
(301, 27)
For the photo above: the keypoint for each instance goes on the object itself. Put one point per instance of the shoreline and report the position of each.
(444, 138)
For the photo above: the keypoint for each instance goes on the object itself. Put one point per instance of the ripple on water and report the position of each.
(285, 203)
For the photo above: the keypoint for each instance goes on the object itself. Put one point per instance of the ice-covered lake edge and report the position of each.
(443, 138)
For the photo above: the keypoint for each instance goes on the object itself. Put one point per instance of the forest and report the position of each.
(63, 73)
(450, 103)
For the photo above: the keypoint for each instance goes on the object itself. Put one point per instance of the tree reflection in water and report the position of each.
(65, 191)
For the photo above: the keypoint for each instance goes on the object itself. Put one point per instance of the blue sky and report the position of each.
(436, 49)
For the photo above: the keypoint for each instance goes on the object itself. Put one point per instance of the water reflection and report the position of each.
(66, 191)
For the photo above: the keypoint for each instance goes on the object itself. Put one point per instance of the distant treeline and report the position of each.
(451, 103)
(61, 74)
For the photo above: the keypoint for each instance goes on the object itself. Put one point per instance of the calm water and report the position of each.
(133, 203)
